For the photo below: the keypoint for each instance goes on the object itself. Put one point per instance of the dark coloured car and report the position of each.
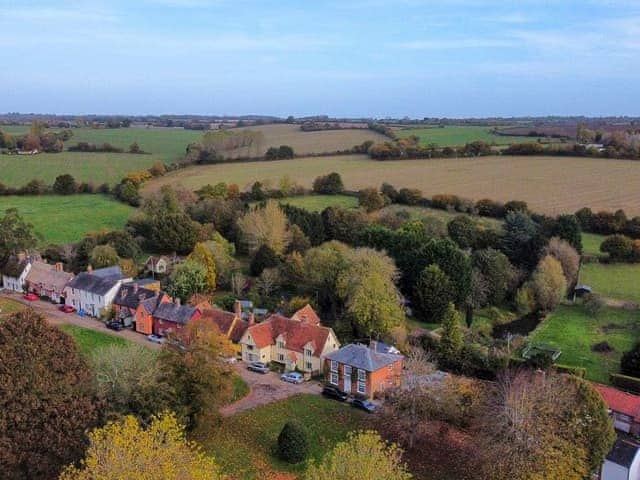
(365, 405)
(258, 367)
(335, 393)
(115, 325)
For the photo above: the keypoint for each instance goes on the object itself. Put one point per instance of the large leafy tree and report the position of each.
(264, 226)
(15, 234)
(103, 256)
(202, 255)
(451, 338)
(159, 452)
(548, 284)
(521, 240)
(194, 367)
(46, 400)
(188, 278)
(496, 270)
(362, 455)
(452, 261)
(433, 293)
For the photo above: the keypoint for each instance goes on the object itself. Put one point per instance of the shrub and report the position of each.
(445, 202)
(65, 185)
(571, 370)
(630, 362)
(293, 446)
(602, 347)
(619, 247)
(593, 304)
(409, 196)
(490, 208)
(328, 184)
(370, 199)
(625, 382)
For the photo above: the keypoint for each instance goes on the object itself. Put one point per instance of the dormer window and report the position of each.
(280, 344)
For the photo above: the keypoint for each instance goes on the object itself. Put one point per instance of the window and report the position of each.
(362, 387)
(280, 344)
(362, 375)
(334, 379)
(249, 347)
(334, 366)
(308, 352)
(347, 370)
(280, 357)
(309, 366)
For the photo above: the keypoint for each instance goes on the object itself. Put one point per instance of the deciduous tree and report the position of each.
(202, 255)
(264, 226)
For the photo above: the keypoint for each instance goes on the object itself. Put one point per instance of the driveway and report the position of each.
(266, 388)
(56, 317)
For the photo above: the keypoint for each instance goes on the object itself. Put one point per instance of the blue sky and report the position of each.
(455, 58)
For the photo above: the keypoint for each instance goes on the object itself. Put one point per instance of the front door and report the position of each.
(347, 378)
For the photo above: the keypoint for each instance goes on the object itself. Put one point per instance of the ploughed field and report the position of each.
(549, 184)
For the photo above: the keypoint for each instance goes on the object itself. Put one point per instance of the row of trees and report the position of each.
(410, 147)
(36, 139)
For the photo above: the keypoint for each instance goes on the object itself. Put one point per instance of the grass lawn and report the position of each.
(317, 203)
(443, 215)
(573, 331)
(88, 340)
(459, 135)
(244, 443)
(7, 307)
(64, 219)
(591, 244)
(617, 280)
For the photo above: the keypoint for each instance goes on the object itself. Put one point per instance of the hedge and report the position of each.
(624, 382)
(571, 370)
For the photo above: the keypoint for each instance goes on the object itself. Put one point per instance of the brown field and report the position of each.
(305, 143)
(549, 184)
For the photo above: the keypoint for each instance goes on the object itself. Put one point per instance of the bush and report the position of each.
(571, 370)
(593, 304)
(630, 362)
(293, 446)
(490, 208)
(445, 202)
(602, 347)
(264, 257)
(624, 382)
(65, 185)
(370, 199)
(328, 184)
(409, 196)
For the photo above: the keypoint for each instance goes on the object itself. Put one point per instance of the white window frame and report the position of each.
(308, 352)
(362, 387)
(309, 366)
(334, 366)
(280, 344)
(362, 375)
(347, 370)
(281, 357)
(333, 379)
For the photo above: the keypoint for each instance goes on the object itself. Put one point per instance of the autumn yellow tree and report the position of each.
(126, 450)
(362, 455)
(203, 256)
(265, 226)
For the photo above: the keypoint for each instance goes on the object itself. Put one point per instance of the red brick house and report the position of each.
(171, 317)
(129, 298)
(361, 371)
(623, 407)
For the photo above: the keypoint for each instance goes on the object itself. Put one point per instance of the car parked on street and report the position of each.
(335, 393)
(155, 338)
(366, 405)
(66, 309)
(115, 325)
(292, 377)
(258, 367)
(30, 296)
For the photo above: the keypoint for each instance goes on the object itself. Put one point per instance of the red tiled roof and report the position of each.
(306, 314)
(296, 334)
(238, 329)
(620, 401)
(226, 324)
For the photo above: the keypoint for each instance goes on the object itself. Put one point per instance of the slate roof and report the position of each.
(623, 452)
(620, 401)
(363, 357)
(296, 334)
(108, 272)
(91, 283)
(46, 275)
(150, 304)
(128, 296)
(172, 312)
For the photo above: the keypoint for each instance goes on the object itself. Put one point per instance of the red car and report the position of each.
(30, 296)
(67, 309)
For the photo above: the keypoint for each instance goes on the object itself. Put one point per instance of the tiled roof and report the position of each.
(296, 334)
(306, 314)
(620, 401)
(363, 357)
(172, 312)
(623, 452)
(130, 296)
(46, 275)
(223, 320)
(91, 283)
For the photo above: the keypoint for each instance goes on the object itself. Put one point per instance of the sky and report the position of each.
(346, 58)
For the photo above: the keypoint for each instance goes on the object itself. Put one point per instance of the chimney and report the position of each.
(177, 301)
(59, 267)
(22, 256)
(135, 288)
(89, 269)
(237, 309)
(252, 318)
(373, 345)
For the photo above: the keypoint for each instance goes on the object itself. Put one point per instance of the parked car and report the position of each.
(30, 296)
(155, 338)
(365, 405)
(258, 367)
(229, 360)
(66, 309)
(115, 325)
(335, 393)
(292, 377)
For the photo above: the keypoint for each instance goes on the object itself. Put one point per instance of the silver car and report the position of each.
(292, 377)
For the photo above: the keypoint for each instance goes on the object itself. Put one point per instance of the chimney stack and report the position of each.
(59, 267)
(22, 256)
(252, 318)
(237, 309)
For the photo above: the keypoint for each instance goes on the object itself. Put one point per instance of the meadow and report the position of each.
(244, 443)
(574, 332)
(550, 185)
(618, 281)
(64, 219)
(90, 340)
(317, 203)
(453, 136)
(591, 244)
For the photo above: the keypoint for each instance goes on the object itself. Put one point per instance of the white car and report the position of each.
(155, 338)
(292, 377)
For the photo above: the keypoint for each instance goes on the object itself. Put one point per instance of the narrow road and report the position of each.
(56, 317)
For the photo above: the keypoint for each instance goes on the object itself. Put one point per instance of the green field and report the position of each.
(591, 244)
(89, 340)
(620, 281)
(244, 443)
(317, 203)
(570, 329)
(7, 307)
(97, 168)
(65, 219)
(459, 135)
